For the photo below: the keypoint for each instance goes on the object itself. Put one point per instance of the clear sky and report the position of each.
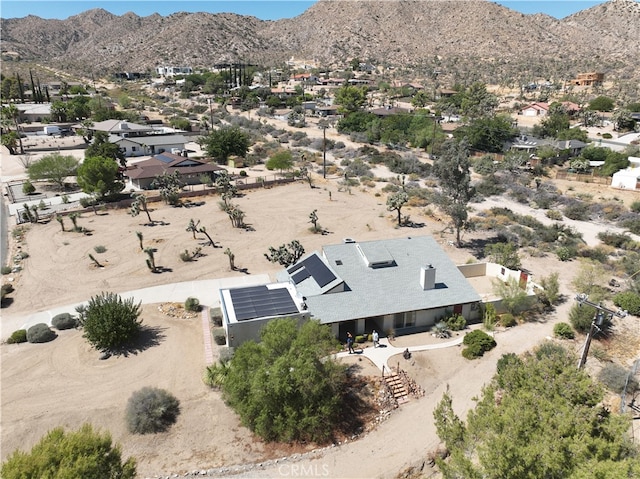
(263, 9)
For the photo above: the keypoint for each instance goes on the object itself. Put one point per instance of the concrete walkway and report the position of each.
(380, 356)
(205, 290)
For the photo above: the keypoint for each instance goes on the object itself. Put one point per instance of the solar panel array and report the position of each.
(259, 301)
(312, 266)
(164, 159)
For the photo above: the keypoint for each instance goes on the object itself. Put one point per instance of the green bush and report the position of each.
(635, 207)
(219, 336)
(151, 410)
(507, 320)
(64, 321)
(566, 253)
(40, 333)
(361, 338)
(477, 343)
(607, 136)
(581, 318)
(28, 188)
(192, 304)
(79, 454)
(614, 377)
(564, 331)
(6, 270)
(109, 322)
(99, 249)
(18, 336)
(629, 301)
(555, 215)
(456, 322)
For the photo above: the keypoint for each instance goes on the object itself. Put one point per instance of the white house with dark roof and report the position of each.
(149, 145)
(404, 284)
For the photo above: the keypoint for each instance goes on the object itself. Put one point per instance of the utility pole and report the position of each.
(598, 320)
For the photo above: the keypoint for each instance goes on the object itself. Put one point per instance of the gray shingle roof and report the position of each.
(383, 277)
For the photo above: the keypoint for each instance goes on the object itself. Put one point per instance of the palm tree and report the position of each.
(10, 116)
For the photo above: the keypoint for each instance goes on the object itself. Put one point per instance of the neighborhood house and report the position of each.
(405, 285)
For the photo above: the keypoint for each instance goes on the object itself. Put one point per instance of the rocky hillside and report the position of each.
(458, 35)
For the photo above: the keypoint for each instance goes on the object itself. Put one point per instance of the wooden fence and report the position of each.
(583, 177)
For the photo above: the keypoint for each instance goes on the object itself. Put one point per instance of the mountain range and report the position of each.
(460, 37)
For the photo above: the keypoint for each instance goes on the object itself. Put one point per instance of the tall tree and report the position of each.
(396, 201)
(99, 176)
(10, 115)
(286, 255)
(351, 98)
(287, 387)
(224, 142)
(101, 146)
(60, 454)
(54, 167)
(452, 169)
(539, 417)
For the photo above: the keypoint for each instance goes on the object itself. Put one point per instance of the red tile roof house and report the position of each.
(142, 174)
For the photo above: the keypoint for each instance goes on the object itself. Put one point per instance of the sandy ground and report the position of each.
(63, 383)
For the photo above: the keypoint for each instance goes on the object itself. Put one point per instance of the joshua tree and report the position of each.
(151, 262)
(193, 227)
(60, 219)
(36, 216)
(232, 258)
(74, 219)
(396, 201)
(92, 258)
(286, 255)
(139, 235)
(203, 230)
(313, 219)
(139, 204)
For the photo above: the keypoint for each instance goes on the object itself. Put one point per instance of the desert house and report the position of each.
(191, 170)
(403, 285)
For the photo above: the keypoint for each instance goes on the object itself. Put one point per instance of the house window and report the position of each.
(409, 319)
(134, 148)
(457, 309)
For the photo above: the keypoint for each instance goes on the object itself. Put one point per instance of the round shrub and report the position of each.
(192, 304)
(219, 336)
(361, 338)
(629, 301)
(581, 318)
(40, 333)
(507, 320)
(477, 343)
(18, 336)
(151, 410)
(564, 331)
(614, 377)
(456, 322)
(64, 321)
(566, 253)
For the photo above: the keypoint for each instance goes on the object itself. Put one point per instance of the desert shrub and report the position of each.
(226, 354)
(614, 377)
(109, 322)
(361, 338)
(28, 188)
(18, 336)
(192, 304)
(40, 333)
(629, 301)
(6, 270)
(632, 225)
(216, 316)
(581, 317)
(490, 186)
(566, 253)
(555, 215)
(577, 210)
(219, 336)
(617, 240)
(456, 322)
(64, 321)
(151, 410)
(563, 331)
(186, 256)
(635, 207)
(99, 249)
(599, 254)
(507, 320)
(477, 343)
